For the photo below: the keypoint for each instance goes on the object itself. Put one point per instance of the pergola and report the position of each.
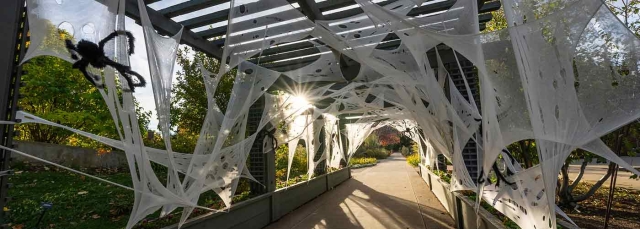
(205, 28)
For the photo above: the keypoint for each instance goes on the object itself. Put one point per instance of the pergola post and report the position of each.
(14, 23)
(470, 150)
(261, 165)
(321, 168)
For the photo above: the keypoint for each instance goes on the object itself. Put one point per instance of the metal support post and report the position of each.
(12, 47)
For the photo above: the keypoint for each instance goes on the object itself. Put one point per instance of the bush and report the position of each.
(444, 176)
(362, 161)
(377, 153)
(298, 167)
(405, 151)
(413, 159)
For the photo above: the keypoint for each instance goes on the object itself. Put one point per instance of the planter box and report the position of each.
(461, 208)
(288, 199)
(260, 211)
(337, 177)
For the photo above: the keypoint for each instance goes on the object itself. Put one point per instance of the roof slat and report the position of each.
(211, 18)
(188, 7)
(165, 25)
(282, 56)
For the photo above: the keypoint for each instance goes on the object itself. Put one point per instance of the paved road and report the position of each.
(388, 195)
(594, 172)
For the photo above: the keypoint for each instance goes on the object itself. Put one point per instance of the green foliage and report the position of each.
(508, 223)
(413, 160)
(371, 141)
(405, 151)
(446, 177)
(298, 166)
(182, 142)
(627, 11)
(525, 152)
(58, 93)
(78, 202)
(362, 161)
(378, 153)
(81, 202)
(371, 148)
(498, 22)
(292, 181)
(189, 97)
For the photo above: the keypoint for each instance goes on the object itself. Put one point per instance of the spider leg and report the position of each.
(114, 34)
(125, 71)
(82, 64)
(107, 39)
(141, 80)
(72, 49)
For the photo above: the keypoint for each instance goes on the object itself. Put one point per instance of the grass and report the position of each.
(80, 202)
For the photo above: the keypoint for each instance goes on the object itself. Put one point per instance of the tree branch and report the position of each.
(579, 178)
(565, 178)
(597, 185)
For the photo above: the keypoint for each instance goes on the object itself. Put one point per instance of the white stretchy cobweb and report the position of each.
(563, 77)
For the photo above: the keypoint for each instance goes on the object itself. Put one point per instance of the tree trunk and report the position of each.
(565, 194)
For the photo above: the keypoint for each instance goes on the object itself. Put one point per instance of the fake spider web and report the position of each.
(550, 76)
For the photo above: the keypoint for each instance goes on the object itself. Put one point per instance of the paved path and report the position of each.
(388, 195)
(593, 173)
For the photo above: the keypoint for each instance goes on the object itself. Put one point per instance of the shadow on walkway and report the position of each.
(387, 195)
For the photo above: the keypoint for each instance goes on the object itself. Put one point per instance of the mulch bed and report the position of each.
(625, 211)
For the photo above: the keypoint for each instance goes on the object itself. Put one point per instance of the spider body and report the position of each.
(93, 54)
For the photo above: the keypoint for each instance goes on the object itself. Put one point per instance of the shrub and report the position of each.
(298, 167)
(405, 151)
(378, 153)
(446, 177)
(362, 161)
(413, 159)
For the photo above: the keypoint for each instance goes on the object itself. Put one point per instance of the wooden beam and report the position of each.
(167, 26)
(310, 9)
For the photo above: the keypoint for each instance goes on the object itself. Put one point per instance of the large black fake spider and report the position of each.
(93, 54)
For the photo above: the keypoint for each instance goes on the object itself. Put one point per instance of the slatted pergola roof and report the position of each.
(205, 23)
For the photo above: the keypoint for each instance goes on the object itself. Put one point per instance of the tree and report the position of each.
(626, 137)
(627, 11)
(56, 92)
(387, 136)
(525, 152)
(497, 22)
(189, 100)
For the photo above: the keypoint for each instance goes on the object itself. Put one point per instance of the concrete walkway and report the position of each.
(388, 195)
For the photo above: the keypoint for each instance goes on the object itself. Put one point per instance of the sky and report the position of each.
(140, 64)
(139, 60)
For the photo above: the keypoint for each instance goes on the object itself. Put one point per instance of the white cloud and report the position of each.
(140, 64)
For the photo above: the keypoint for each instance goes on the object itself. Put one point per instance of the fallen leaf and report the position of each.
(82, 177)
(82, 192)
(95, 216)
(19, 226)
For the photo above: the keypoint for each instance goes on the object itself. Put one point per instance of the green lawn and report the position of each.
(80, 202)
